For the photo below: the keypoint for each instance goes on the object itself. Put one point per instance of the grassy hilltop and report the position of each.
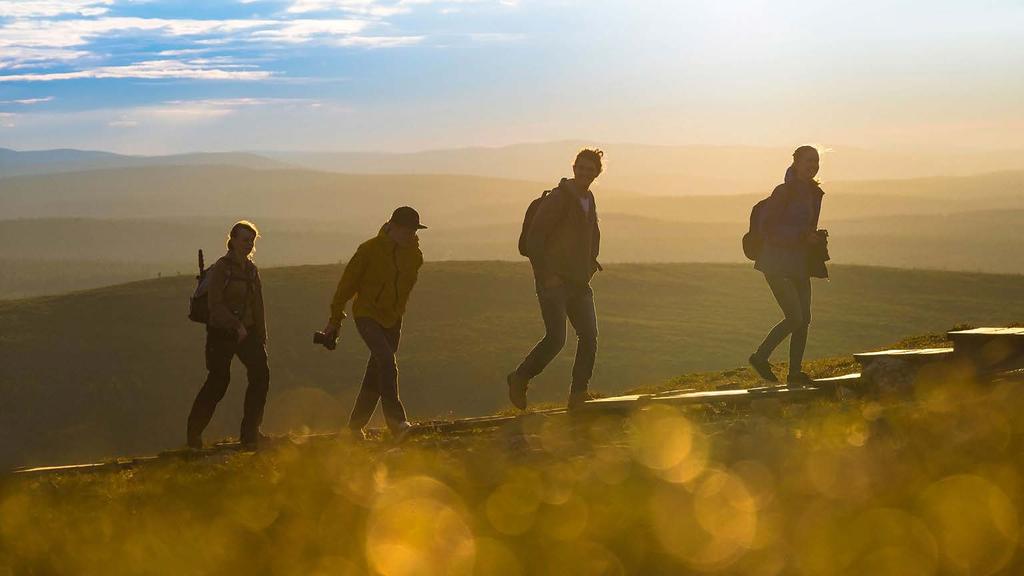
(113, 371)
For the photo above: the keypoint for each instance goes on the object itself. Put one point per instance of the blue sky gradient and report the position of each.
(151, 76)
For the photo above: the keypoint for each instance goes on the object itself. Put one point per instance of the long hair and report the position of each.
(238, 227)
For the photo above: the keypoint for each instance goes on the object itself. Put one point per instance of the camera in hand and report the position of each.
(328, 340)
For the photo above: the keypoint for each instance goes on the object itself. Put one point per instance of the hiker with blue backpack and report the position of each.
(562, 239)
(787, 247)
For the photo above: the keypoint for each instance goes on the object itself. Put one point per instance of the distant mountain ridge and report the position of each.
(661, 170)
(36, 162)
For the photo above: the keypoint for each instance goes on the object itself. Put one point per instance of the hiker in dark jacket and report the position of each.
(237, 326)
(789, 226)
(380, 276)
(563, 241)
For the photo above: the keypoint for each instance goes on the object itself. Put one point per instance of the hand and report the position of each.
(332, 327)
(242, 333)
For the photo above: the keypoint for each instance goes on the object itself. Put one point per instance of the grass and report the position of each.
(857, 487)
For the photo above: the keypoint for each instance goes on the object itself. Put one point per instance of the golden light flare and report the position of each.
(661, 438)
(710, 528)
(417, 528)
(975, 523)
(512, 507)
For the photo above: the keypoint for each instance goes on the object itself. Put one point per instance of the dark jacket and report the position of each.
(564, 240)
(792, 211)
(229, 284)
(380, 276)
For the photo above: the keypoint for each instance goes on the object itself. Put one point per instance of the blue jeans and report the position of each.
(380, 381)
(556, 305)
(794, 297)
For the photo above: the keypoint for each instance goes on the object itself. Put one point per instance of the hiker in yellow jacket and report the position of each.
(380, 276)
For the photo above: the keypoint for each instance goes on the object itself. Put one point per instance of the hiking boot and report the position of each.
(762, 367)
(253, 443)
(799, 380)
(578, 399)
(195, 442)
(517, 389)
(401, 432)
(356, 434)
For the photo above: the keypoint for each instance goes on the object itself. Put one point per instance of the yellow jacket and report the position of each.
(380, 275)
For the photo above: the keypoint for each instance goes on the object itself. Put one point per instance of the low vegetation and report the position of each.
(931, 484)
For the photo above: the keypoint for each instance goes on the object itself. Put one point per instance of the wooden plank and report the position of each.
(987, 332)
(839, 379)
(925, 353)
(919, 356)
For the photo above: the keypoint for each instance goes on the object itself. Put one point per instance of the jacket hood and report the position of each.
(792, 179)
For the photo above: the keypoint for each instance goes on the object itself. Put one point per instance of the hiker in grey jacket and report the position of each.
(789, 225)
(563, 241)
(237, 327)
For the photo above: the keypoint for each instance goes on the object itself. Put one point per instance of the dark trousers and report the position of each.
(794, 297)
(556, 305)
(221, 348)
(380, 381)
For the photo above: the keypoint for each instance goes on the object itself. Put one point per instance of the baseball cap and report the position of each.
(406, 216)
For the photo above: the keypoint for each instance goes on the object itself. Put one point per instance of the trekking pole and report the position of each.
(202, 267)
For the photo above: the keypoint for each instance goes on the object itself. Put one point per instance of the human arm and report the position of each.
(347, 288)
(547, 217)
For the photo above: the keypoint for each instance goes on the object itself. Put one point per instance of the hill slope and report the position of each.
(113, 371)
(29, 162)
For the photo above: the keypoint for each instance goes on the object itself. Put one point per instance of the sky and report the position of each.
(165, 76)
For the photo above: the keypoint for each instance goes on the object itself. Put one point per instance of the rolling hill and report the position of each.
(663, 170)
(113, 371)
(29, 162)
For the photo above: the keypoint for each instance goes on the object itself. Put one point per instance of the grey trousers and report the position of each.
(556, 305)
(380, 381)
(794, 297)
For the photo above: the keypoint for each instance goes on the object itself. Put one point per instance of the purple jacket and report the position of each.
(792, 211)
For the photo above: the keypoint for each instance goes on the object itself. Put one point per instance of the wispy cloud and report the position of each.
(51, 8)
(199, 110)
(153, 69)
(28, 101)
(375, 8)
(55, 40)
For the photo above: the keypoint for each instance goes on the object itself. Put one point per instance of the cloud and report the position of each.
(28, 101)
(7, 119)
(51, 8)
(375, 8)
(153, 69)
(197, 111)
(54, 40)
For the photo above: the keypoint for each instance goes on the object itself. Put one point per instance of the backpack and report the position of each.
(198, 304)
(531, 210)
(753, 240)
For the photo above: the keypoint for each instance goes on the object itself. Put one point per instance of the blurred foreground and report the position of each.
(931, 484)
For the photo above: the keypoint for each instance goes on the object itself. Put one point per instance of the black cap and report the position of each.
(406, 216)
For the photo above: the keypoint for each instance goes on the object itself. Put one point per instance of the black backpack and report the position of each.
(198, 304)
(531, 210)
(753, 240)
